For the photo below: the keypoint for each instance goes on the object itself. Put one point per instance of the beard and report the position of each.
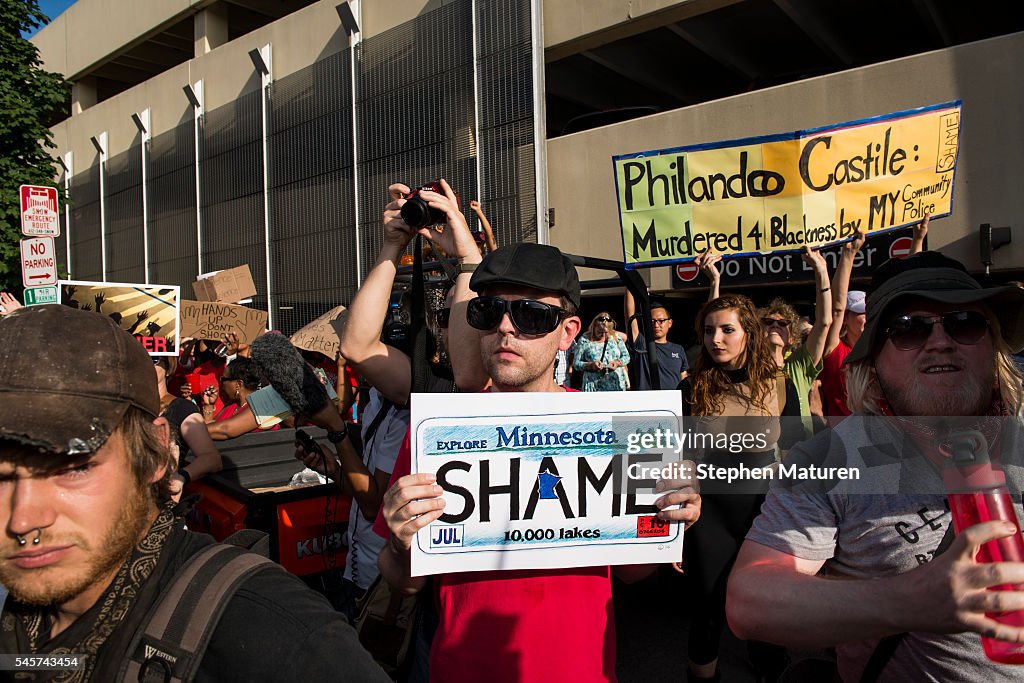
(973, 396)
(36, 587)
(532, 365)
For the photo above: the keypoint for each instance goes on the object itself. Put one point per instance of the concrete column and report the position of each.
(211, 28)
(83, 94)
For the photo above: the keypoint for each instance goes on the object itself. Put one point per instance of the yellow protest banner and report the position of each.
(780, 192)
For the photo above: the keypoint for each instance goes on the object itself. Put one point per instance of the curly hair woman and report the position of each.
(734, 391)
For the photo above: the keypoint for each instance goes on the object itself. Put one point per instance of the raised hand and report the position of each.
(706, 262)
(138, 321)
(396, 231)
(920, 232)
(8, 304)
(453, 238)
(814, 259)
(851, 247)
(232, 346)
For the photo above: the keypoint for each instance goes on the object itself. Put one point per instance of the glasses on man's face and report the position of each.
(528, 315)
(775, 322)
(660, 321)
(441, 317)
(909, 332)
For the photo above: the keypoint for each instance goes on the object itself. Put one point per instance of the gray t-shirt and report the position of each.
(888, 522)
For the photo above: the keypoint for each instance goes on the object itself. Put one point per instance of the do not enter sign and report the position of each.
(900, 248)
(687, 272)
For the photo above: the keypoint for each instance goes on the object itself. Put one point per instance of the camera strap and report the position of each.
(418, 329)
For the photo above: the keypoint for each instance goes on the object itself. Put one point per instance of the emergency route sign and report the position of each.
(39, 211)
(38, 262)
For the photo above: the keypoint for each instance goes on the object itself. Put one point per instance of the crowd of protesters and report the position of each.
(95, 463)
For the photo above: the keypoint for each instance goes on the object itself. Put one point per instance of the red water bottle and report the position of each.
(977, 493)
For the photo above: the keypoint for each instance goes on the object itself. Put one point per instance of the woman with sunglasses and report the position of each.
(239, 381)
(602, 356)
(733, 390)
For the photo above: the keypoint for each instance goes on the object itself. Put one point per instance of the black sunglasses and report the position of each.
(528, 315)
(768, 322)
(441, 317)
(604, 320)
(908, 332)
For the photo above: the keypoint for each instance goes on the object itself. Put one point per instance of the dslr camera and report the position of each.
(417, 213)
(397, 325)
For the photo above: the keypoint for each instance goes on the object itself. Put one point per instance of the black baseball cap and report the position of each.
(525, 264)
(67, 377)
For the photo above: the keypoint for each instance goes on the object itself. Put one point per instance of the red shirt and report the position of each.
(833, 381)
(204, 375)
(520, 625)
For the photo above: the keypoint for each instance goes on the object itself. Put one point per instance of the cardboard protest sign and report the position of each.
(211, 320)
(539, 480)
(320, 335)
(227, 286)
(780, 192)
(149, 312)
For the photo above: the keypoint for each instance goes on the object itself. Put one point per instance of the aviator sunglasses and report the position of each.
(770, 322)
(528, 315)
(909, 332)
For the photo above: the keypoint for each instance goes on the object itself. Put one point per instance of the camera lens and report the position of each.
(416, 213)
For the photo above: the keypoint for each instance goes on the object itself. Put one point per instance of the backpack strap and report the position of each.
(886, 647)
(170, 643)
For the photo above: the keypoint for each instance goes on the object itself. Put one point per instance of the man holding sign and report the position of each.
(546, 624)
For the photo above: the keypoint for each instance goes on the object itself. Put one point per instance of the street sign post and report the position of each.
(37, 296)
(39, 211)
(38, 262)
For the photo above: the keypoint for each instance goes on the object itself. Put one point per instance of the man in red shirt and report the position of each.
(552, 624)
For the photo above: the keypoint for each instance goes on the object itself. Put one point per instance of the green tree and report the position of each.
(30, 99)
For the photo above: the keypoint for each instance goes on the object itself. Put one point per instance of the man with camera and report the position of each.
(380, 350)
(516, 625)
(384, 365)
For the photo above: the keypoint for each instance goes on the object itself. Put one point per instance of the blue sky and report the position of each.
(52, 8)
